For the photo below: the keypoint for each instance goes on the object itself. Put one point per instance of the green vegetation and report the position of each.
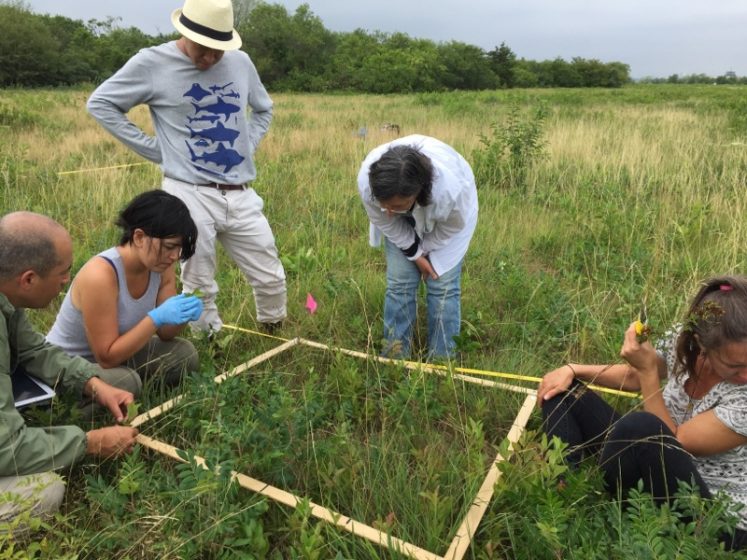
(293, 52)
(626, 195)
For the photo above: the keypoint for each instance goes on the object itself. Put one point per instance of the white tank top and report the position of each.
(68, 332)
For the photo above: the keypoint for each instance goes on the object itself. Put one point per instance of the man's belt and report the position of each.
(222, 186)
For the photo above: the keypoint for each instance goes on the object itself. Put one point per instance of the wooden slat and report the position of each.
(418, 366)
(257, 360)
(281, 496)
(168, 405)
(468, 527)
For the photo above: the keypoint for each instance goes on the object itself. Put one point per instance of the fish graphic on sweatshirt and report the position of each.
(218, 108)
(207, 118)
(197, 92)
(226, 157)
(218, 133)
(216, 88)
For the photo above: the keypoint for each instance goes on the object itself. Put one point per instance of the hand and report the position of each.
(113, 398)
(176, 310)
(111, 441)
(640, 355)
(426, 268)
(554, 383)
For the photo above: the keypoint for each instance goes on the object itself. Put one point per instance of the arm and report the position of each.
(453, 220)
(95, 292)
(112, 398)
(113, 99)
(646, 365)
(25, 450)
(261, 105)
(165, 291)
(614, 376)
(705, 434)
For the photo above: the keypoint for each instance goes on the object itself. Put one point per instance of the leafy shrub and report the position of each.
(512, 147)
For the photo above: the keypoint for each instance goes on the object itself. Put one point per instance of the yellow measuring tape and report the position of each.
(103, 168)
(502, 375)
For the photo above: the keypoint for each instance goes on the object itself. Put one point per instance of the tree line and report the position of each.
(292, 52)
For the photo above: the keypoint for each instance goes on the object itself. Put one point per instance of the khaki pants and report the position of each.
(235, 219)
(166, 360)
(25, 497)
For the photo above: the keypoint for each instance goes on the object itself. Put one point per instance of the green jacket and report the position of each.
(25, 450)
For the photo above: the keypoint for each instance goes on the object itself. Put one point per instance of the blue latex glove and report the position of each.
(176, 310)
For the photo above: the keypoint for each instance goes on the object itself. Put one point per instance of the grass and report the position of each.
(636, 195)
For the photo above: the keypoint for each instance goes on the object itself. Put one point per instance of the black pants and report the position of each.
(633, 447)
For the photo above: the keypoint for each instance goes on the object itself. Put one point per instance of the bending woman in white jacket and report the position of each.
(420, 194)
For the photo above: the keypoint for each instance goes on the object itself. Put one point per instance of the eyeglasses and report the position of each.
(387, 211)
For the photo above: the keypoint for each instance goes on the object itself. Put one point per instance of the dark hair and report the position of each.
(716, 316)
(402, 171)
(160, 215)
(24, 245)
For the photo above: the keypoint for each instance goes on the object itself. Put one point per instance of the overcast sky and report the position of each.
(655, 37)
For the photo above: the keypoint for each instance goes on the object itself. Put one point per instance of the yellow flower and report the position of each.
(642, 330)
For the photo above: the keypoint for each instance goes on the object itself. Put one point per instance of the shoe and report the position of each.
(271, 328)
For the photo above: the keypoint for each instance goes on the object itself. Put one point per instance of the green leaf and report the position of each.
(132, 410)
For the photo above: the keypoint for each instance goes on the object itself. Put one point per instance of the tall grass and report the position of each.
(640, 194)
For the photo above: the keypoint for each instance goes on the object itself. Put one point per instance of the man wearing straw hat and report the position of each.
(198, 89)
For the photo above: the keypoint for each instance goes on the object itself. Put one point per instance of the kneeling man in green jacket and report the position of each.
(36, 256)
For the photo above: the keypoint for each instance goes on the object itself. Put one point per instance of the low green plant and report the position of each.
(544, 510)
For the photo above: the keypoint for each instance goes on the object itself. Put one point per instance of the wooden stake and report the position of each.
(320, 512)
(468, 527)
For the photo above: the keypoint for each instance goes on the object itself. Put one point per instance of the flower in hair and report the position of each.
(707, 312)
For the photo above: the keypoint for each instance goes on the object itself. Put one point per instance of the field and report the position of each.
(592, 204)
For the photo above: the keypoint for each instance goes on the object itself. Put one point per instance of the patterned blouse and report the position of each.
(725, 472)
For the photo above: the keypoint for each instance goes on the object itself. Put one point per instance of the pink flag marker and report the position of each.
(311, 304)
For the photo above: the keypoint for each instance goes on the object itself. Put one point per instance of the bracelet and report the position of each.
(572, 370)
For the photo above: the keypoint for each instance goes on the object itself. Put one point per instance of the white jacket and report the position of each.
(445, 226)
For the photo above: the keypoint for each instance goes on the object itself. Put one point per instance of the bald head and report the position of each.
(29, 241)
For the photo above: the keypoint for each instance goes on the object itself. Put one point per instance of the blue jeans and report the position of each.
(400, 307)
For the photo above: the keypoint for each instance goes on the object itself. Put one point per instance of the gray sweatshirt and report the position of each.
(203, 134)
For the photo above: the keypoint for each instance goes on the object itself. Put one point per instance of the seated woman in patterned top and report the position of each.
(694, 430)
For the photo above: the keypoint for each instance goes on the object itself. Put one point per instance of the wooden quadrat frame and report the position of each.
(467, 527)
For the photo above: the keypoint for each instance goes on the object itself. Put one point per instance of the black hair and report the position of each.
(717, 315)
(159, 215)
(402, 171)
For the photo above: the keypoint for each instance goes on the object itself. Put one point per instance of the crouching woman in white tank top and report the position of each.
(122, 310)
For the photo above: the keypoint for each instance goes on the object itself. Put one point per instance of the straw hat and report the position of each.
(208, 23)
